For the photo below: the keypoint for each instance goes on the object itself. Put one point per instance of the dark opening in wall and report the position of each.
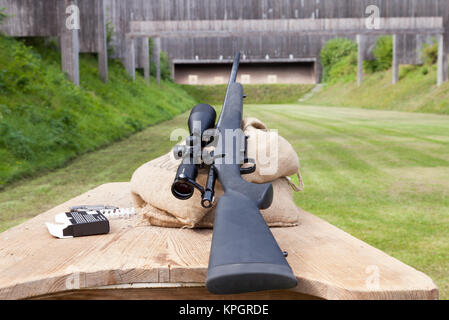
(249, 73)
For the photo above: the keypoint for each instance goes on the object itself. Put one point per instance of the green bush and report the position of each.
(429, 53)
(109, 34)
(3, 15)
(165, 64)
(383, 55)
(255, 93)
(339, 59)
(384, 52)
(45, 120)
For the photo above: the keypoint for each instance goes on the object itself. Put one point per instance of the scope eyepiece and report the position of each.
(182, 190)
(184, 185)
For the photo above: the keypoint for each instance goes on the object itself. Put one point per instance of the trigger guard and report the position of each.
(249, 170)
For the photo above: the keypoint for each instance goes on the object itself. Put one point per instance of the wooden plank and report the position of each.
(245, 61)
(146, 59)
(360, 51)
(318, 70)
(69, 46)
(327, 262)
(90, 12)
(130, 60)
(227, 34)
(213, 28)
(157, 58)
(31, 18)
(442, 69)
(181, 292)
(395, 62)
(172, 70)
(38, 18)
(101, 39)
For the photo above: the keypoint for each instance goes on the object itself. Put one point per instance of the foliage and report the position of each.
(332, 54)
(165, 64)
(263, 93)
(3, 15)
(383, 55)
(46, 120)
(109, 36)
(345, 69)
(339, 59)
(429, 53)
(415, 92)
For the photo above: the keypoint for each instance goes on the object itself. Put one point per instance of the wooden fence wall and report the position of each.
(43, 18)
(121, 12)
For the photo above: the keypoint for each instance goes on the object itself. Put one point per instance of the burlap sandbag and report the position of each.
(151, 184)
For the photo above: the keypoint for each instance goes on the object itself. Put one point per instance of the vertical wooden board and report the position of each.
(408, 49)
(369, 46)
(101, 39)
(69, 46)
(146, 58)
(130, 60)
(22, 23)
(30, 18)
(395, 62)
(421, 41)
(138, 43)
(157, 58)
(359, 59)
(328, 8)
(88, 22)
(442, 65)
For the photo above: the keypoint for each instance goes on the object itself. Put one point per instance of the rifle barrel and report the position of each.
(232, 79)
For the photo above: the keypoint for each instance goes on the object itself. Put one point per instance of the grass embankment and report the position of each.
(45, 120)
(381, 176)
(255, 94)
(416, 91)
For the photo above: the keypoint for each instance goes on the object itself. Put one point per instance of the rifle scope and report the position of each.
(201, 118)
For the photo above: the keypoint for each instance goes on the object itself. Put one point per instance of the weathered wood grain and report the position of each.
(69, 46)
(328, 262)
(442, 70)
(293, 26)
(182, 292)
(130, 60)
(157, 58)
(145, 58)
(101, 39)
(360, 50)
(41, 18)
(395, 62)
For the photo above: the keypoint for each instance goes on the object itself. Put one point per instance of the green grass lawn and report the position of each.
(255, 93)
(416, 91)
(382, 176)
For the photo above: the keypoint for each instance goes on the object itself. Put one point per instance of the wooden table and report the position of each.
(141, 262)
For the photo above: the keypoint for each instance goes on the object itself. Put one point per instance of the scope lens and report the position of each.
(182, 190)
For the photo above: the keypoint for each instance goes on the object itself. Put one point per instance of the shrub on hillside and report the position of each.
(45, 120)
(109, 37)
(383, 55)
(2, 15)
(339, 59)
(165, 64)
(429, 53)
(344, 70)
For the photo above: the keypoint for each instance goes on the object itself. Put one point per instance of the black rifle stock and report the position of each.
(244, 255)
